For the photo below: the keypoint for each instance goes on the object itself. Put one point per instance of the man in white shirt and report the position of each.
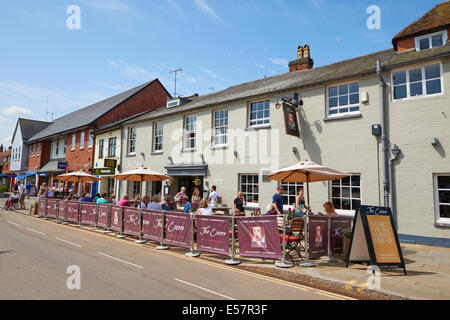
(213, 196)
(21, 193)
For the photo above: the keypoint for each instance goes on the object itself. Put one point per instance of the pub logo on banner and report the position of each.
(213, 234)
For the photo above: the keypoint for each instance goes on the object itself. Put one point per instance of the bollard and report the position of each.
(140, 229)
(232, 261)
(283, 263)
(162, 246)
(192, 253)
(329, 258)
(306, 263)
(120, 235)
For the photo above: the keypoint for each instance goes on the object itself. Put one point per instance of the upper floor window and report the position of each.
(100, 148)
(91, 139)
(132, 140)
(260, 113)
(431, 40)
(74, 137)
(57, 148)
(158, 137)
(65, 146)
(34, 150)
(221, 127)
(346, 193)
(112, 147)
(38, 148)
(82, 140)
(442, 197)
(343, 99)
(425, 80)
(190, 127)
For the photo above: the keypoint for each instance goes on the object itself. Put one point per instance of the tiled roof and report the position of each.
(88, 115)
(436, 19)
(303, 78)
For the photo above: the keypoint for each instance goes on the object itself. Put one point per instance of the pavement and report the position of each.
(428, 271)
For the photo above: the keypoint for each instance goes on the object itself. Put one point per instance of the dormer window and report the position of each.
(432, 40)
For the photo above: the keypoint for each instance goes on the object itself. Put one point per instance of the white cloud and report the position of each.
(203, 6)
(260, 65)
(209, 72)
(16, 111)
(131, 71)
(110, 5)
(278, 61)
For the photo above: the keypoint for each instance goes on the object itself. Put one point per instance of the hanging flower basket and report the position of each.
(197, 181)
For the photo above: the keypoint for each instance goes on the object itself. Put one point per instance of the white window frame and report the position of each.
(338, 107)
(90, 139)
(285, 193)
(38, 149)
(408, 84)
(249, 203)
(82, 137)
(438, 218)
(101, 148)
(442, 33)
(158, 133)
(74, 141)
(221, 126)
(187, 137)
(344, 212)
(132, 133)
(110, 155)
(65, 146)
(265, 120)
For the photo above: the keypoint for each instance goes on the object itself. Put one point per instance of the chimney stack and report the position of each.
(303, 61)
(1, 148)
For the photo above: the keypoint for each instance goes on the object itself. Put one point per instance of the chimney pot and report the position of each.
(304, 61)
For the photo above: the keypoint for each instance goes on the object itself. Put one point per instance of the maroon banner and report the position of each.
(131, 221)
(318, 237)
(52, 208)
(152, 225)
(42, 207)
(116, 218)
(88, 213)
(102, 220)
(213, 234)
(62, 210)
(338, 227)
(178, 229)
(259, 237)
(72, 211)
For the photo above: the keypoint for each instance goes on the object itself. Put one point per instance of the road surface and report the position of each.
(35, 255)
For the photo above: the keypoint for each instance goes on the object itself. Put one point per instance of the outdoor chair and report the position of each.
(294, 237)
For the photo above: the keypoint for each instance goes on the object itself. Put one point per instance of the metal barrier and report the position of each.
(116, 220)
(88, 214)
(52, 207)
(103, 216)
(42, 207)
(72, 211)
(62, 212)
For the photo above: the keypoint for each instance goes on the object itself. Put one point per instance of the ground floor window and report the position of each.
(346, 193)
(442, 197)
(290, 190)
(249, 185)
(134, 188)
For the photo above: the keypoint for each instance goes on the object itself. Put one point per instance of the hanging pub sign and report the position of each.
(110, 163)
(290, 120)
(375, 239)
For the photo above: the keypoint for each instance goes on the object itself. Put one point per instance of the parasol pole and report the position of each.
(141, 214)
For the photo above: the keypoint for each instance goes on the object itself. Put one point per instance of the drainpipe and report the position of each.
(395, 153)
(121, 162)
(384, 140)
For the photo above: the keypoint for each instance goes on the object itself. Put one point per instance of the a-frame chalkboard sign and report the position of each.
(375, 239)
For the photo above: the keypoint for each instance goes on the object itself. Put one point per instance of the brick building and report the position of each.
(70, 139)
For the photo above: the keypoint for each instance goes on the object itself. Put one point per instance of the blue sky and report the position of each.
(218, 43)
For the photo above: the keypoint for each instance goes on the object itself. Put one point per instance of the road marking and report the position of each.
(72, 243)
(132, 264)
(41, 233)
(210, 291)
(16, 224)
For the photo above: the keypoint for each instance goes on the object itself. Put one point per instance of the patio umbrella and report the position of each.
(142, 174)
(307, 171)
(78, 177)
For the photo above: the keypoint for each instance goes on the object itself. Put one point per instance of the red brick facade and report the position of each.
(39, 157)
(79, 158)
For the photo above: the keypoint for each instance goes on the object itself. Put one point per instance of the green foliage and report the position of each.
(3, 189)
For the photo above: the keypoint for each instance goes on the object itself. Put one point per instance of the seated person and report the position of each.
(271, 209)
(330, 211)
(154, 205)
(13, 198)
(187, 205)
(166, 205)
(204, 209)
(145, 202)
(124, 202)
(85, 198)
(102, 199)
(70, 197)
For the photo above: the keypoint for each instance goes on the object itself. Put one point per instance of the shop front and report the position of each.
(190, 176)
(107, 184)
